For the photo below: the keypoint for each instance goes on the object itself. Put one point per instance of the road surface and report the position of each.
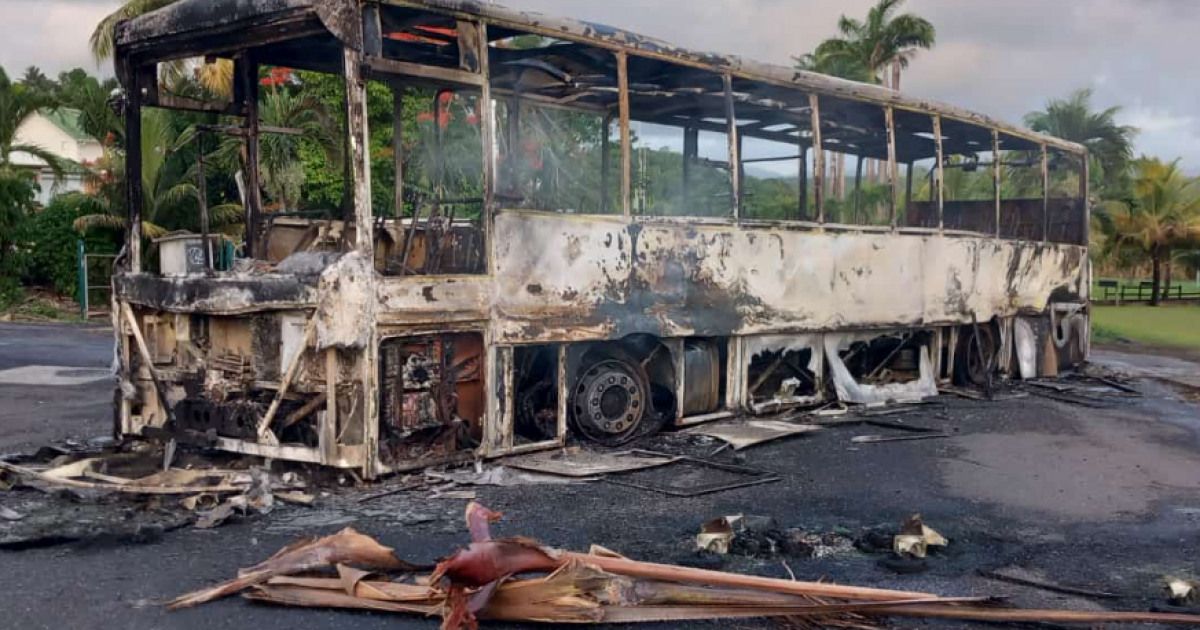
(1101, 498)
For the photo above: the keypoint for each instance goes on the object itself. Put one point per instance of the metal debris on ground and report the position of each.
(213, 494)
(761, 537)
(876, 439)
(1182, 592)
(915, 538)
(717, 534)
(744, 433)
(407, 486)
(579, 463)
(692, 477)
(481, 582)
(504, 477)
(1006, 575)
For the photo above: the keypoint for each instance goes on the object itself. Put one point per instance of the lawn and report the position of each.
(1177, 326)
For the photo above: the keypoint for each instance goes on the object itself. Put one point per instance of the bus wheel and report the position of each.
(976, 355)
(609, 402)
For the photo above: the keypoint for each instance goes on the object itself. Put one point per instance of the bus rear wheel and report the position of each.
(609, 401)
(976, 355)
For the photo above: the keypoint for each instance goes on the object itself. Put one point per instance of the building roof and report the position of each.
(68, 120)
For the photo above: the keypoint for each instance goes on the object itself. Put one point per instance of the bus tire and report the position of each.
(609, 401)
(975, 355)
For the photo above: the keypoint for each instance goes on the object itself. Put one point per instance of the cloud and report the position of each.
(50, 35)
(1165, 134)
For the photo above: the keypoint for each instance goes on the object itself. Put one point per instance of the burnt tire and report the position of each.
(609, 401)
(975, 355)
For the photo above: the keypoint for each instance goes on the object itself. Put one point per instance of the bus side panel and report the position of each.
(563, 278)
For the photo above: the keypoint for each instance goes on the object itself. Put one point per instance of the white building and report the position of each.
(59, 133)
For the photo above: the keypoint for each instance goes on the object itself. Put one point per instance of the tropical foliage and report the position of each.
(1163, 215)
(865, 49)
(1109, 143)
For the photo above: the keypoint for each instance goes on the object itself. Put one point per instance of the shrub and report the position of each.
(16, 203)
(49, 245)
(10, 292)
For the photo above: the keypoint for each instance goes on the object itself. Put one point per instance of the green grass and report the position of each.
(1177, 326)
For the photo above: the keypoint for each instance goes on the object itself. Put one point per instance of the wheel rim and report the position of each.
(979, 356)
(609, 402)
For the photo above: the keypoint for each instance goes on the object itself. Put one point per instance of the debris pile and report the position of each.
(214, 494)
(761, 537)
(352, 571)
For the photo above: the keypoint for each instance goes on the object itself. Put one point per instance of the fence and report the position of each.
(1115, 292)
(87, 273)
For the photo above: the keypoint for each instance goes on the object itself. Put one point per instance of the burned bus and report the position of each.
(576, 229)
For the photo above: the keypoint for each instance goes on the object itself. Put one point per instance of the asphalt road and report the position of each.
(54, 384)
(1100, 498)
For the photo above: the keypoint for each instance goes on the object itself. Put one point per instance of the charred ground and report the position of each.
(1104, 498)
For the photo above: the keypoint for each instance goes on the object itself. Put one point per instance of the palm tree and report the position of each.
(835, 66)
(18, 102)
(1110, 144)
(168, 183)
(1164, 214)
(884, 39)
(280, 166)
(866, 49)
(37, 80)
(216, 77)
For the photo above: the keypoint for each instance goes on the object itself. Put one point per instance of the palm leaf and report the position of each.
(88, 222)
(102, 39)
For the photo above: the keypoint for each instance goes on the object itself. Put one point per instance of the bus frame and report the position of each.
(435, 338)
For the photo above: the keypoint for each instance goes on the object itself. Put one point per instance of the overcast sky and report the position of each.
(1002, 58)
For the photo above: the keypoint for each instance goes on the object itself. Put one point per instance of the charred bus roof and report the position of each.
(308, 34)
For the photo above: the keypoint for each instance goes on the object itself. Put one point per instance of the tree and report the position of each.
(279, 161)
(36, 80)
(864, 51)
(1109, 143)
(169, 190)
(1191, 260)
(1163, 214)
(867, 48)
(18, 102)
(216, 77)
(103, 40)
(835, 66)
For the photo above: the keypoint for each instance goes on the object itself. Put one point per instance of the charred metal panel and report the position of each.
(851, 390)
(563, 278)
(339, 17)
(554, 274)
(441, 300)
(226, 295)
(346, 307)
(990, 278)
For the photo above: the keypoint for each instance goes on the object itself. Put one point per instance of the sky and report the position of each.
(1003, 58)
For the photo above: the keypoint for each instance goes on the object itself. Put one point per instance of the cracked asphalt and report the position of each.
(1103, 498)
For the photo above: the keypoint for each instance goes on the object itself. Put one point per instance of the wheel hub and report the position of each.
(609, 401)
